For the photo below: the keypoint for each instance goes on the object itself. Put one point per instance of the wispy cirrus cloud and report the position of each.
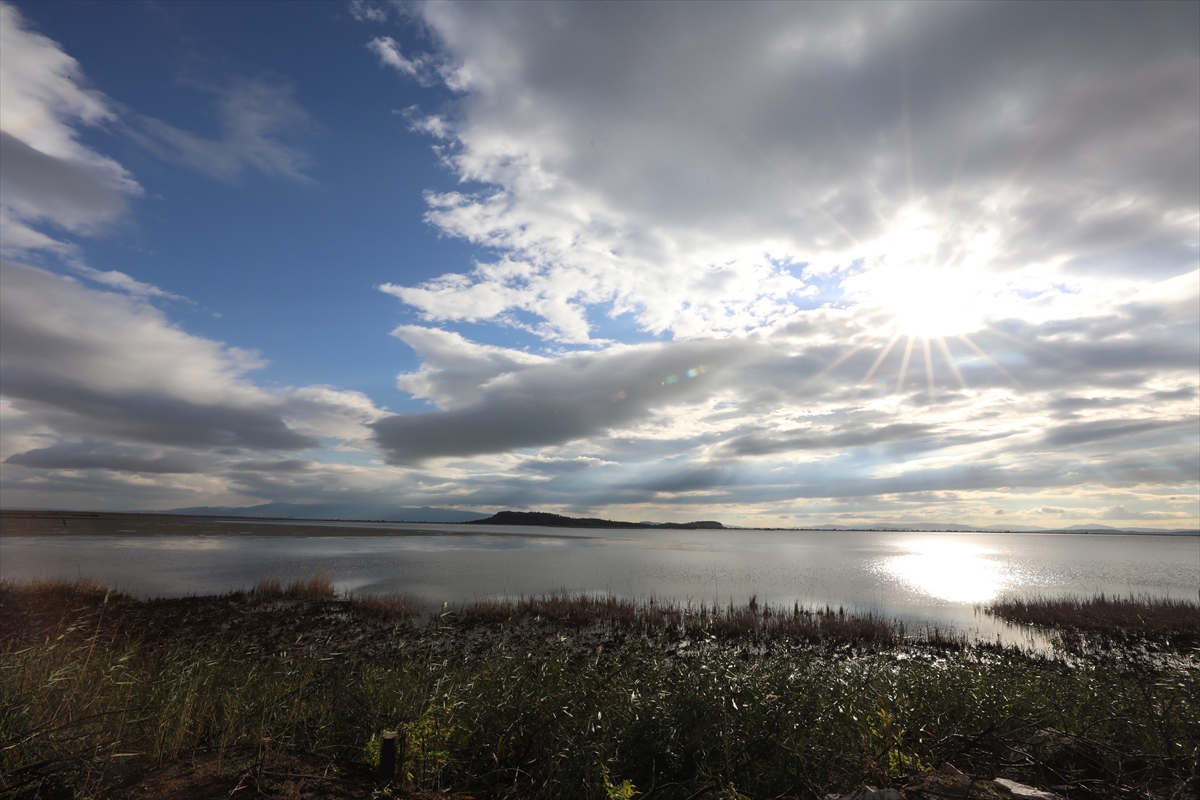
(52, 181)
(263, 129)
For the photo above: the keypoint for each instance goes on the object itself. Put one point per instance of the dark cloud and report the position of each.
(1101, 430)
(559, 466)
(715, 171)
(150, 417)
(92, 454)
(1182, 393)
(761, 444)
(579, 395)
(102, 365)
(38, 185)
(278, 465)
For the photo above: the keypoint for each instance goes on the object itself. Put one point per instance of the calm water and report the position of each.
(935, 577)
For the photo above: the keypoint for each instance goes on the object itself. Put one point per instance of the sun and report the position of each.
(929, 302)
(926, 305)
(924, 281)
(917, 291)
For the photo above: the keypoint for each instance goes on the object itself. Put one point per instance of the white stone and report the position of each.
(1024, 792)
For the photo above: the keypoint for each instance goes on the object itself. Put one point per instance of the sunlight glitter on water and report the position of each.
(958, 572)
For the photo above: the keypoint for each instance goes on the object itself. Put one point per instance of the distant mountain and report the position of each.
(1109, 529)
(349, 511)
(544, 519)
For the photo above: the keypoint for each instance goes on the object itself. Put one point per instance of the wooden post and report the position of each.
(387, 756)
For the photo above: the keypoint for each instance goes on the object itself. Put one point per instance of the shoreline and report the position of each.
(373, 525)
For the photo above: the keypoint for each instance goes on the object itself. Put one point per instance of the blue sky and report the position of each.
(289, 262)
(770, 263)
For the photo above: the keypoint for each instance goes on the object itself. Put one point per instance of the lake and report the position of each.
(940, 578)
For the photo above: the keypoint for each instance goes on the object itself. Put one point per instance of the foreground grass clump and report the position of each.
(559, 698)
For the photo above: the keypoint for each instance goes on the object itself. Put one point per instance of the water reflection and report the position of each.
(937, 578)
(958, 572)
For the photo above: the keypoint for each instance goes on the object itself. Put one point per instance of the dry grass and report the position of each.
(1155, 618)
(62, 591)
(752, 621)
(317, 586)
(518, 701)
(392, 606)
(53, 605)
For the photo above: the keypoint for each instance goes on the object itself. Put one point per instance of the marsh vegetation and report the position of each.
(288, 688)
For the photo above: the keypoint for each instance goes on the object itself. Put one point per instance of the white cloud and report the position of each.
(388, 52)
(781, 418)
(454, 370)
(48, 176)
(996, 170)
(122, 282)
(684, 163)
(1000, 198)
(330, 413)
(364, 11)
(103, 363)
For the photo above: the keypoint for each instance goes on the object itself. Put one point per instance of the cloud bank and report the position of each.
(783, 264)
(706, 169)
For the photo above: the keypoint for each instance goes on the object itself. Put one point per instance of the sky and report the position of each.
(778, 264)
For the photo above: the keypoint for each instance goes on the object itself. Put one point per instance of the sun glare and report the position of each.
(928, 302)
(917, 296)
(953, 571)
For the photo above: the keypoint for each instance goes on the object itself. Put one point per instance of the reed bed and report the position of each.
(317, 586)
(752, 622)
(1108, 619)
(560, 697)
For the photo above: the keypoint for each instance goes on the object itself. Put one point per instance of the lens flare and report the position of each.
(693, 372)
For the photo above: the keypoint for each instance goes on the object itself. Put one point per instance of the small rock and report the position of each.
(1024, 792)
(949, 783)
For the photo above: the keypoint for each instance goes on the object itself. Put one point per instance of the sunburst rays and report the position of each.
(931, 358)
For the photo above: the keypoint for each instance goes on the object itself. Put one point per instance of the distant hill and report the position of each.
(544, 519)
(349, 511)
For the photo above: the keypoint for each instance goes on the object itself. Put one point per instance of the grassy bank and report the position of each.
(556, 697)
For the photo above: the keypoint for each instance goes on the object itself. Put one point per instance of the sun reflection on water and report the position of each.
(957, 572)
